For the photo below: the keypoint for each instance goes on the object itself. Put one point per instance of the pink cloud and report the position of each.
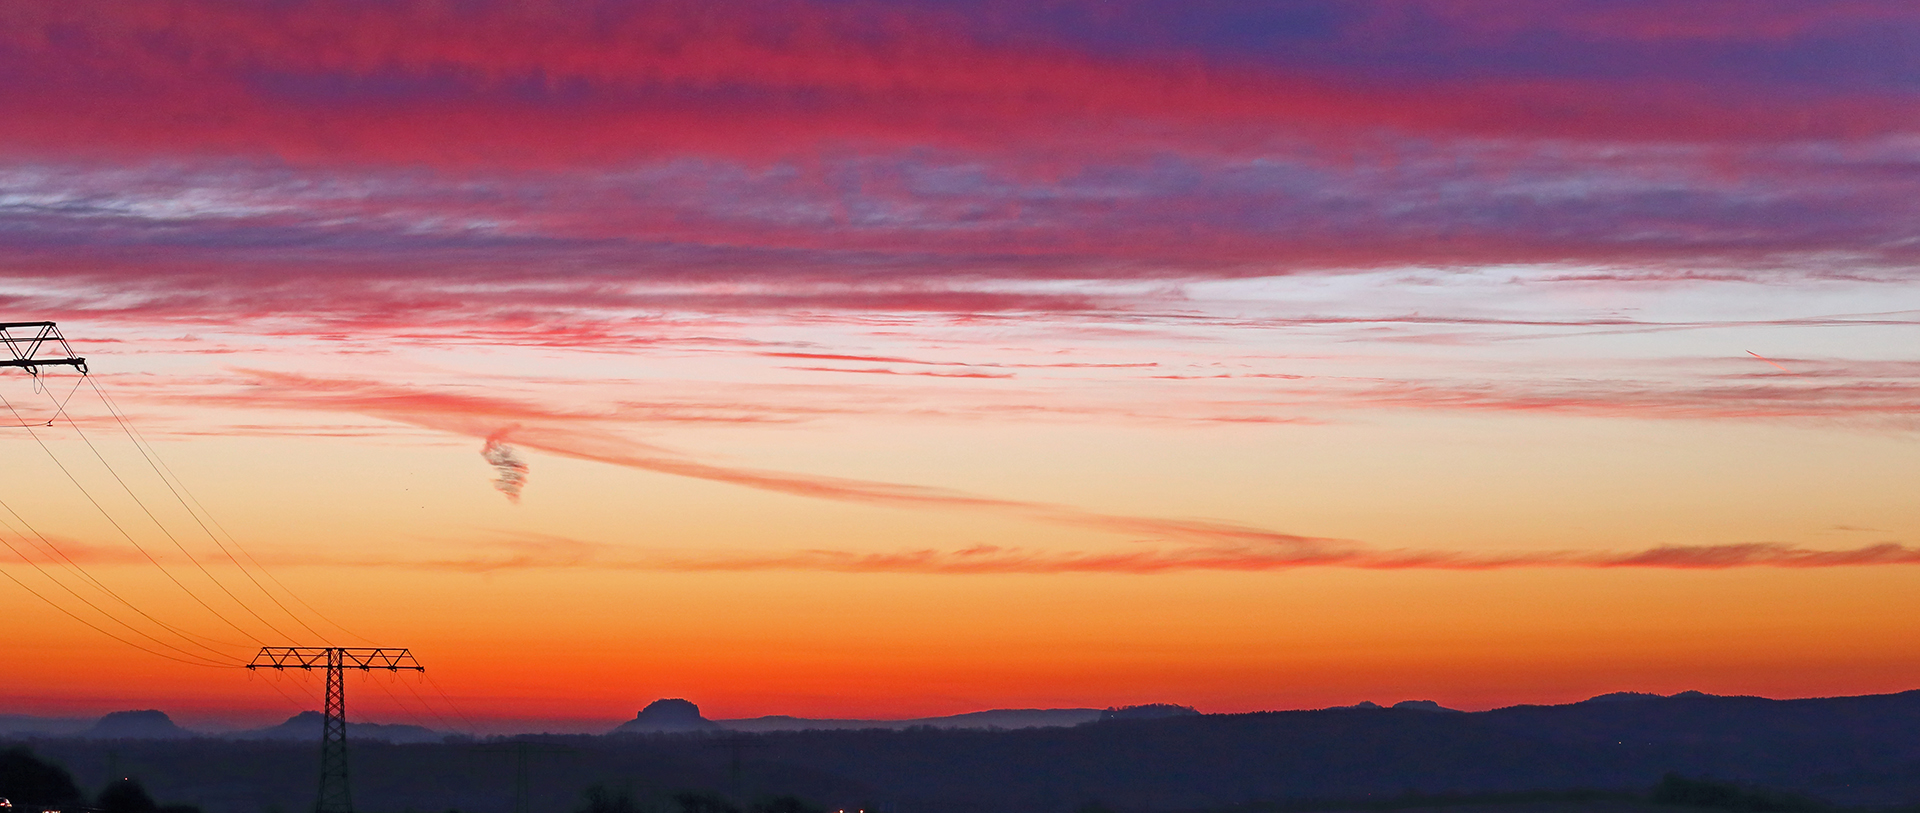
(544, 552)
(1162, 544)
(512, 83)
(587, 436)
(885, 371)
(1702, 20)
(1211, 545)
(1895, 400)
(422, 169)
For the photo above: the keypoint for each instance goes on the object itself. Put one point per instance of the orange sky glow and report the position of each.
(891, 360)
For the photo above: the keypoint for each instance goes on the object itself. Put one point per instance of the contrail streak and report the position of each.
(1769, 361)
(578, 436)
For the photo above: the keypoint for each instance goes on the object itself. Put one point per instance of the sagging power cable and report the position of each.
(175, 540)
(121, 529)
(153, 462)
(185, 495)
(97, 584)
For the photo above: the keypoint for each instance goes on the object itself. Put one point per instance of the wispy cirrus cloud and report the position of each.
(1173, 544)
(1734, 397)
(1229, 549)
(554, 552)
(888, 371)
(588, 436)
(1866, 393)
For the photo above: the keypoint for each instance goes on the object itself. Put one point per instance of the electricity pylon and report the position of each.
(334, 795)
(24, 350)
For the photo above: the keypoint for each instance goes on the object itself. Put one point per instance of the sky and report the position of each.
(892, 359)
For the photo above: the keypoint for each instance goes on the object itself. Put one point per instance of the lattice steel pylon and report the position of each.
(23, 349)
(335, 795)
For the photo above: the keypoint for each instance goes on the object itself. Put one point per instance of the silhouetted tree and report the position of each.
(1675, 789)
(28, 781)
(126, 796)
(703, 802)
(603, 799)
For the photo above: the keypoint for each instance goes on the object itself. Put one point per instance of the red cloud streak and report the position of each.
(575, 435)
(518, 83)
(1209, 545)
(989, 560)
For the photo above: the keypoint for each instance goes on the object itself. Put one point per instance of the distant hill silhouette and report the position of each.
(24, 724)
(1150, 711)
(1853, 751)
(995, 718)
(1424, 705)
(305, 727)
(1618, 697)
(667, 716)
(146, 724)
(676, 716)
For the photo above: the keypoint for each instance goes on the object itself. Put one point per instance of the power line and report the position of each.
(96, 628)
(116, 525)
(29, 359)
(312, 699)
(275, 686)
(60, 404)
(85, 577)
(433, 711)
(128, 430)
(102, 587)
(170, 537)
(455, 707)
(140, 440)
(26, 352)
(335, 795)
(403, 708)
(90, 605)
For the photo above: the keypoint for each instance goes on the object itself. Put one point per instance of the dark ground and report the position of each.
(1861, 751)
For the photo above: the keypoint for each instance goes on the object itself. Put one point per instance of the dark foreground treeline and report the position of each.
(41, 786)
(30, 784)
(1860, 752)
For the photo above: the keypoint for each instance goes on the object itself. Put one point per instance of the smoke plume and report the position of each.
(510, 472)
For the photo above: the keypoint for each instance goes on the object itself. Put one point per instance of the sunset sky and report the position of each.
(893, 359)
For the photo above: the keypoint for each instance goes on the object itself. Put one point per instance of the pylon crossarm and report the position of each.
(78, 363)
(24, 350)
(335, 794)
(392, 659)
